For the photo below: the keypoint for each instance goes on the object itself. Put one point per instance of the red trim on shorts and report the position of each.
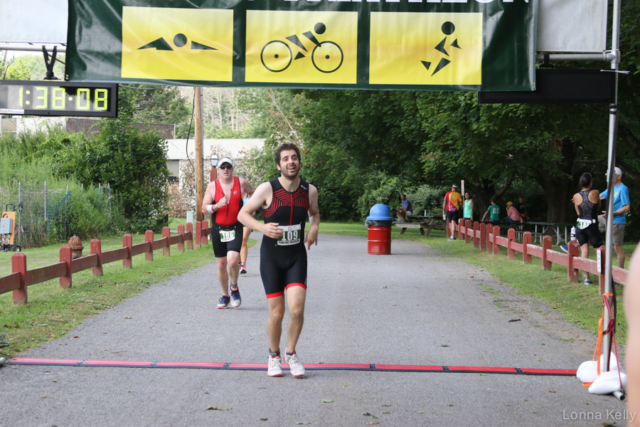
(275, 294)
(296, 284)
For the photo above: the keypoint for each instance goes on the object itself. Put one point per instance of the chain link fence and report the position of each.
(43, 214)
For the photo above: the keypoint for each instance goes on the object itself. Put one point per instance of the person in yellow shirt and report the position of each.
(451, 208)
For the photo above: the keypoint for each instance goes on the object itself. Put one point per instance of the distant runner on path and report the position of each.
(286, 201)
(223, 200)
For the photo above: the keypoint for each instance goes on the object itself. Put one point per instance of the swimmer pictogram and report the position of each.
(448, 28)
(179, 40)
(326, 56)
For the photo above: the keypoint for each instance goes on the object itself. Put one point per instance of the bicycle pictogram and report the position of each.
(326, 56)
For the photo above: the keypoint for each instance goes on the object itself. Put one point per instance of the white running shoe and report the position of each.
(275, 367)
(235, 297)
(295, 366)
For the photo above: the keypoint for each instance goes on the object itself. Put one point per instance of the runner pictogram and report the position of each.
(448, 28)
(426, 48)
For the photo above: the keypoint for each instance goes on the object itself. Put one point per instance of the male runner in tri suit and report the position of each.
(286, 202)
(223, 200)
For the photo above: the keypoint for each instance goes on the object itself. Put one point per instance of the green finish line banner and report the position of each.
(468, 45)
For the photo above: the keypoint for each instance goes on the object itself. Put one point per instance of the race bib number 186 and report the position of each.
(290, 235)
(227, 236)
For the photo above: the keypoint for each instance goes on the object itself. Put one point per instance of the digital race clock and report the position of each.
(58, 98)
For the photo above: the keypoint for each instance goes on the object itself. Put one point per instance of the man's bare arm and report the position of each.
(246, 187)
(624, 209)
(207, 201)
(314, 217)
(258, 199)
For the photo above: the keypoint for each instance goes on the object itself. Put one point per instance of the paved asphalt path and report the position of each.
(416, 306)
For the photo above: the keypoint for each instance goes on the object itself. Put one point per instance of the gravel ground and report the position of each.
(415, 306)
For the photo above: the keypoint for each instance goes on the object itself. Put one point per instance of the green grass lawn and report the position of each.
(175, 222)
(578, 303)
(51, 312)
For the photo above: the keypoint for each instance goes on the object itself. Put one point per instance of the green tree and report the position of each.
(134, 163)
(490, 145)
(18, 71)
(33, 64)
(163, 104)
(131, 161)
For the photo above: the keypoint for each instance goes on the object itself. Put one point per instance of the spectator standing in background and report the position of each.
(513, 216)
(587, 204)
(621, 205)
(451, 205)
(522, 209)
(468, 207)
(493, 211)
(406, 207)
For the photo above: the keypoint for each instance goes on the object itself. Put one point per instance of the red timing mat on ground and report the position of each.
(309, 366)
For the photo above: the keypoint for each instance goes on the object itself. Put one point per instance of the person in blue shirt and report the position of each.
(621, 205)
(406, 208)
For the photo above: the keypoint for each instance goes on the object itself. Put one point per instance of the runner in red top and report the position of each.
(223, 201)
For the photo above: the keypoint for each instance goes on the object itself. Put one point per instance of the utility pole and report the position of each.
(199, 165)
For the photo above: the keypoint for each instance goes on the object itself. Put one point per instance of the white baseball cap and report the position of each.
(224, 160)
(618, 172)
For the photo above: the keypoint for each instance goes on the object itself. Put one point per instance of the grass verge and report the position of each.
(51, 312)
(578, 303)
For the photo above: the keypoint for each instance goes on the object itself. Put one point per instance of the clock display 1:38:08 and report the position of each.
(59, 98)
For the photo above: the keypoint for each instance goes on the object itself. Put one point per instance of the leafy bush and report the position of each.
(427, 198)
(94, 213)
(381, 188)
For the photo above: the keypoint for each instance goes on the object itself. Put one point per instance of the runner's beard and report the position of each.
(290, 175)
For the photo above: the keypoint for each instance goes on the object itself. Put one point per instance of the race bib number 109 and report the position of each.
(290, 235)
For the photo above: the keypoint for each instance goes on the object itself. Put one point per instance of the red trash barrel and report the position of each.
(379, 240)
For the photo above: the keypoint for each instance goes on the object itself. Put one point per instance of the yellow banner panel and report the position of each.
(177, 44)
(426, 48)
(301, 47)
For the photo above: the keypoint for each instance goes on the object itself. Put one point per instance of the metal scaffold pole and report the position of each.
(613, 130)
(198, 160)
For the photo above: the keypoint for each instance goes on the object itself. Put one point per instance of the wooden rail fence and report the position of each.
(21, 278)
(486, 237)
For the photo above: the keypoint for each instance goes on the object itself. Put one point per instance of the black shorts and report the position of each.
(452, 216)
(589, 234)
(281, 270)
(220, 248)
